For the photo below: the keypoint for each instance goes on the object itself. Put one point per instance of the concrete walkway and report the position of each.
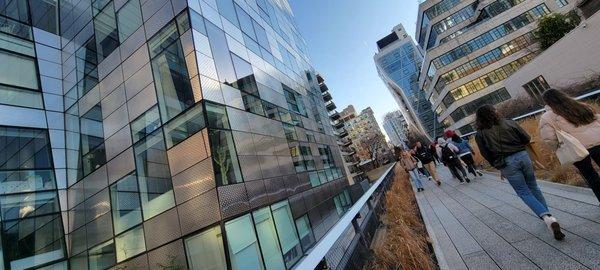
(484, 225)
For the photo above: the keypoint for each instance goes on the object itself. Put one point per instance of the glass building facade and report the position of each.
(161, 134)
(398, 63)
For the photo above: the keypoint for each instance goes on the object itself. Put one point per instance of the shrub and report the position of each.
(554, 26)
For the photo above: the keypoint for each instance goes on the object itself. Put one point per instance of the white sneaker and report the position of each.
(553, 226)
(430, 178)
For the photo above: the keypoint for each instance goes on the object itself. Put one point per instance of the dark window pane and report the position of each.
(227, 9)
(105, 25)
(24, 149)
(217, 116)
(226, 165)
(163, 39)
(15, 9)
(171, 80)
(245, 76)
(154, 177)
(145, 124)
(102, 256)
(245, 22)
(125, 202)
(44, 14)
(184, 125)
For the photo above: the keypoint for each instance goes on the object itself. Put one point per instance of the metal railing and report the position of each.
(532, 113)
(346, 244)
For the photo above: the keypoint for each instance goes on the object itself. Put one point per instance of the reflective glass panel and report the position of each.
(44, 15)
(267, 236)
(102, 256)
(307, 238)
(184, 125)
(125, 203)
(225, 161)
(105, 25)
(244, 252)
(154, 177)
(18, 70)
(205, 250)
(286, 229)
(130, 243)
(145, 124)
(129, 18)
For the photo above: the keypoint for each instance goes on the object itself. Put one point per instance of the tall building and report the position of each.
(171, 134)
(398, 63)
(471, 47)
(396, 128)
(366, 135)
(347, 148)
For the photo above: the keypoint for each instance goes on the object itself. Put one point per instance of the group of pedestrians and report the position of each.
(569, 127)
(451, 151)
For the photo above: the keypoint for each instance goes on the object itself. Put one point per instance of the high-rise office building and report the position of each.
(161, 134)
(396, 128)
(398, 63)
(471, 47)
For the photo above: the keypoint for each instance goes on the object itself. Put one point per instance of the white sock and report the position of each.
(549, 220)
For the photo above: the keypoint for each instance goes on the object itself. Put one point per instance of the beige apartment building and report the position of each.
(572, 60)
(365, 134)
(471, 47)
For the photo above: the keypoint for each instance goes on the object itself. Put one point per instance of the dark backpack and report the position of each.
(448, 156)
(423, 155)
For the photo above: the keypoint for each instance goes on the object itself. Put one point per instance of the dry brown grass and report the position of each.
(405, 245)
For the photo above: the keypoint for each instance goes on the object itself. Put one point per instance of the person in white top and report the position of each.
(580, 121)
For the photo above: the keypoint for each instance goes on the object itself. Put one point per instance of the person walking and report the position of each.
(409, 164)
(502, 143)
(465, 152)
(433, 152)
(450, 158)
(580, 121)
(424, 156)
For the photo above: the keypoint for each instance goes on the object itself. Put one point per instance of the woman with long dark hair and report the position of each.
(502, 143)
(579, 120)
(465, 152)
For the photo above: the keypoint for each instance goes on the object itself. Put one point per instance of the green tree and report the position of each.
(554, 26)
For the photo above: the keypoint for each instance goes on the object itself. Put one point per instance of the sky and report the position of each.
(342, 36)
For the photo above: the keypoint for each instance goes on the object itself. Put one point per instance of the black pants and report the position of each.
(470, 162)
(456, 169)
(588, 172)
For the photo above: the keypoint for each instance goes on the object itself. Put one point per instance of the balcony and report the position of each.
(338, 124)
(330, 106)
(344, 142)
(323, 87)
(327, 96)
(334, 115)
(342, 133)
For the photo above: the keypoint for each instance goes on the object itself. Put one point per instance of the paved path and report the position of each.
(484, 225)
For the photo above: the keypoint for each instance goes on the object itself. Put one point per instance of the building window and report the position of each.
(16, 9)
(286, 229)
(129, 19)
(536, 87)
(184, 125)
(267, 236)
(561, 3)
(145, 124)
(244, 252)
(125, 202)
(44, 15)
(205, 250)
(171, 78)
(93, 154)
(130, 243)
(225, 161)
(105, 27)
(154, 177)
(18, 70)
(307, 238)
(102, 256)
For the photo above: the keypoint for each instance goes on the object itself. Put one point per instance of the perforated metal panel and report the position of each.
(168, 255)
(309, 198)
(139, 262)
(257, 193)
(199, 212)
(162, 229)
(291, 182)
(95, 182)
(297, 205)
(97, 205)
(286, 166)
(194, 181)
(99, 230)
(275, 188)
(269, 166)
(76, 217)
(187, 153)
(77, 240)
(120, 166)
(303, 182)
(244, 145)
(233, 199)
(250, 168)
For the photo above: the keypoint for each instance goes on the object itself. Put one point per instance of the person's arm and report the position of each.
(483, 148)
(548, 133)
(453, 148)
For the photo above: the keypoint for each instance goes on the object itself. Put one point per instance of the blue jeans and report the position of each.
(414, 175)
(519, 172)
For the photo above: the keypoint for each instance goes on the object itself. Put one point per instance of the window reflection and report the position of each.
(125, 202)
(205, 250)
(153, 174)
(105, 28)
(244, 252)
(129, 18)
